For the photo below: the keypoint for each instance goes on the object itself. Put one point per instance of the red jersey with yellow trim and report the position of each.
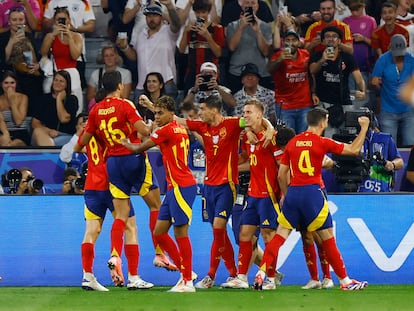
(315, 29)
(174, 145)
(221, 144)
(97, 177)
(263, 167)
(111, 120)
(304, 154)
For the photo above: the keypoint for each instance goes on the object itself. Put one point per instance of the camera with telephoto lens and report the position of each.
(11, 180)
(79, 183)
(34, 183)
(379, 158)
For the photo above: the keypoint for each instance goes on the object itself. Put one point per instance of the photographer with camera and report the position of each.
(206, 84)
(73, 182)
(21, 181)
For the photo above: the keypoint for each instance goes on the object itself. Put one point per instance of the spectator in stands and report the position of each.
(391, 71)
(14, 106)
(204, 40)
(331, 69)
(65, 46)
(285, 23)
(30, 9)
(407, 183)
(362, 26)
(381, 37)
(82, 20)
(117, 8)
(18, 53)
(153, 89)
(313, 40)
(232, 9)
(206, 84)
(250, 78)
(249, 39)
(54, 114)
(71, 184)
(405, 18)
(154, 48)
(111, 61)
(290, 70)
(305, 12)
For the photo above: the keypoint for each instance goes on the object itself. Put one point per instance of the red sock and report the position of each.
(88, 254)
(132, 256)
(324, 262)
(117, 237)
(168, 245)
(186, 252)
(228, 256)
(310, 256)
(271, 252)
(245, 254)
(334, 257)
(219, 242)
(152, 221)
(271, 270)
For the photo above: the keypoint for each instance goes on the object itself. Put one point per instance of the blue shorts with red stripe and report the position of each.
(177, 205)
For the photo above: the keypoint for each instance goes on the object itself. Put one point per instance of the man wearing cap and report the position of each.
(391, 71)
(313, 40)
(250, 78)
(331, 69)
(290, 69)
(206, 84)
(380, 40)
(154, 47)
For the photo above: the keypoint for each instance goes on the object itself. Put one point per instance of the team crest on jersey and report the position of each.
(223, 132)
(215, 139)
(75, 8)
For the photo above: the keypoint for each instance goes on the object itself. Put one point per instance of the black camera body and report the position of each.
(200, 22)
(249, 10)
(351, 117)
(203, 86)
(11, 181)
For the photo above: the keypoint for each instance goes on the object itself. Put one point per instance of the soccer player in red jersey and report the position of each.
(262, 206)
(97, 200)
(304, 205)
(313, 42)
(176, 209)
(221, 141)
(110, 121)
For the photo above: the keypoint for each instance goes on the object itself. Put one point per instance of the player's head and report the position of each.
(164, 109)
(317, 116)
(253, 112)
(111, 81)
(210, 107)
(284, 135)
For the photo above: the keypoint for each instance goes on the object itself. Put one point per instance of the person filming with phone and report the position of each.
(206, 84)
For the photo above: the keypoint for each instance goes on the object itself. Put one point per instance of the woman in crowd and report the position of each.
(54, 116)
(13, 107)
(153, 89)
(18, 54)
(66, 47)
(111, 60)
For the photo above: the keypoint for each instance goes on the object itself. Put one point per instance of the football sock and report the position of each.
(117, 237)
(310, 256)
(132, 256)
(88, 254)
(271, 270)
(271, 252)
(170, 247)
(326, 268)
(334, 257)
(245, 253)
(228, 256)
(219, 243)
(153, 216)
(186, 252)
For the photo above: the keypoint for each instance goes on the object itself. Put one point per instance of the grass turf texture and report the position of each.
(375, 297)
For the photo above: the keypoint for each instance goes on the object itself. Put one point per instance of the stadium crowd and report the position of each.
(264, 64)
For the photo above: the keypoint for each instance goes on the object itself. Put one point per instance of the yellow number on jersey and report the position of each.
(305, 165)
(112, 135)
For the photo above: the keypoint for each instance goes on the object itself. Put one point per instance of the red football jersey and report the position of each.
(381, 39)
(263, 167)
(174, 145)
(111, 120)
(221, 144)
(304, 154)
(315, 29)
